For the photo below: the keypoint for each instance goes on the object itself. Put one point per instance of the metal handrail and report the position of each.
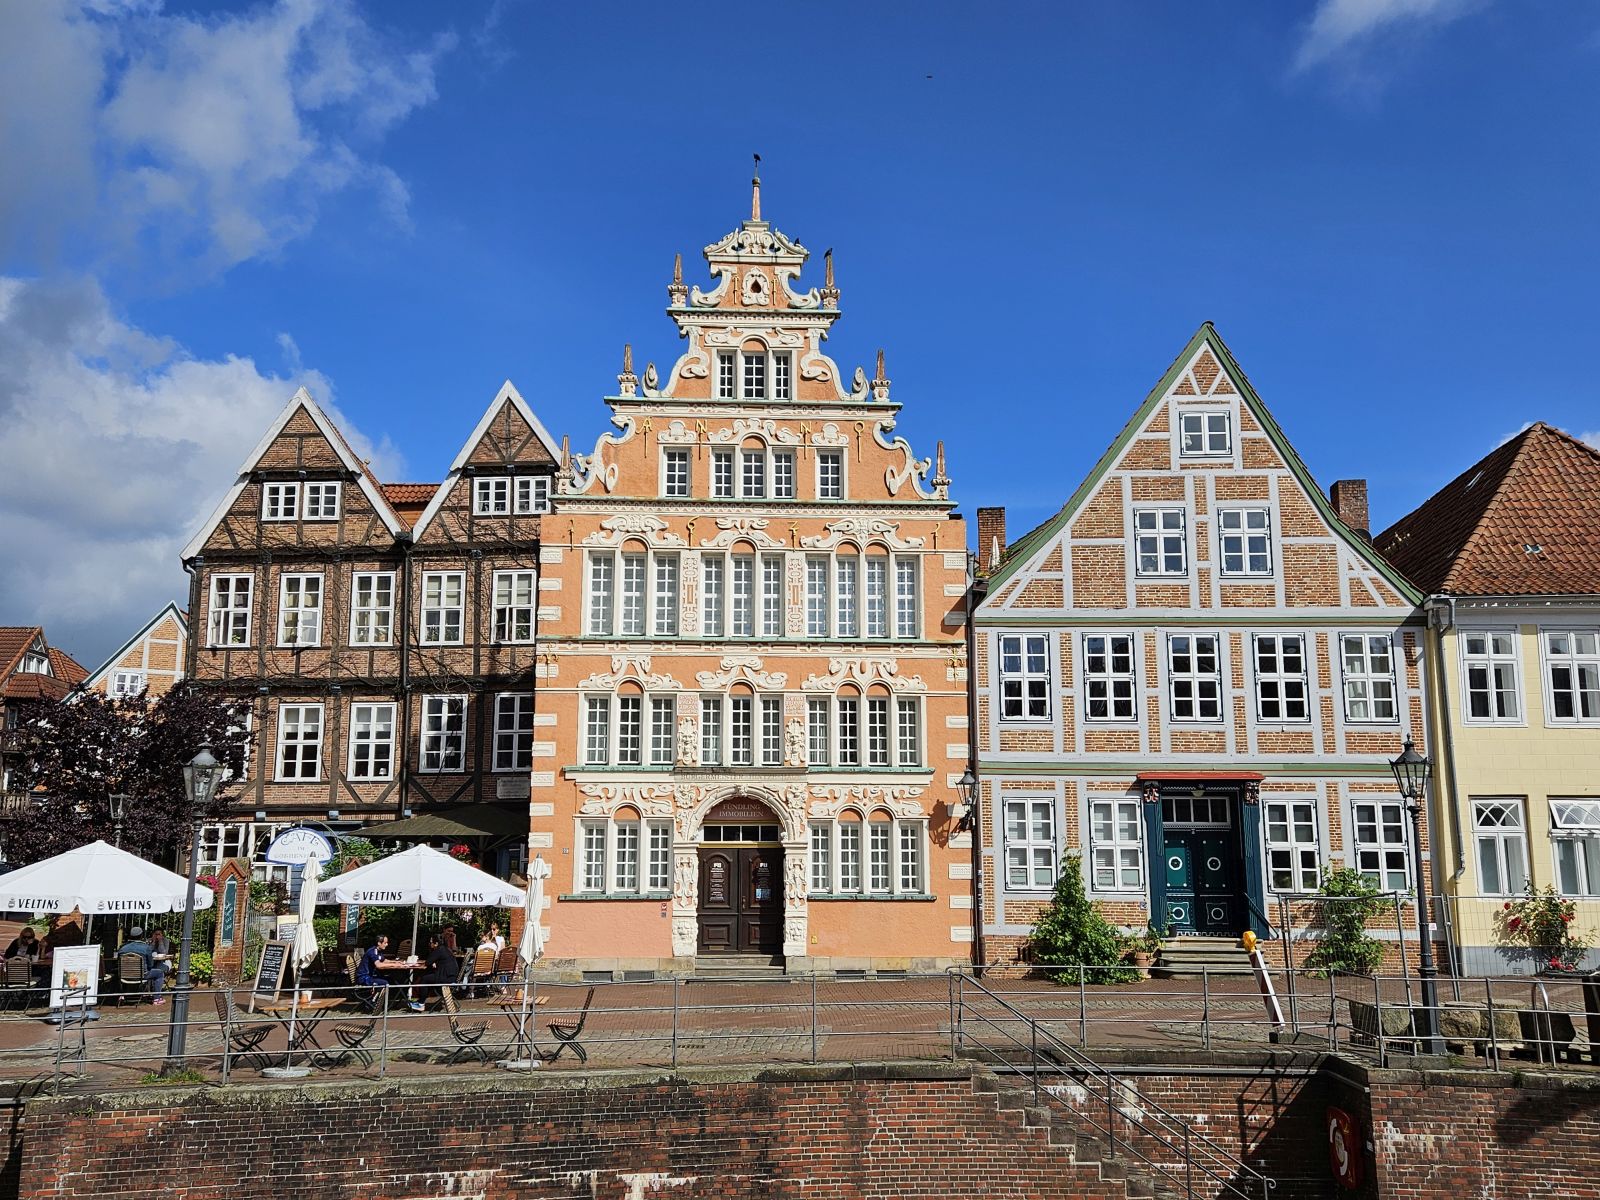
(1175, 1134)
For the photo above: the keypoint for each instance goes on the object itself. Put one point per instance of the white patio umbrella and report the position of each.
(531, 945)
(98, 880)
(301, 952)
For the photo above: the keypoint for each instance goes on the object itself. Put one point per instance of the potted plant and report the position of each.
(1142, 949)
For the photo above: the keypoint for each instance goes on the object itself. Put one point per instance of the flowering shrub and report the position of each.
(461, 852)
(1539, 926)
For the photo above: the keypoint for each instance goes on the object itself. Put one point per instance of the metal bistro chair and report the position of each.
(18, 982)
(567, 1035)
(468, 1037)
(352, 1036)
(133, 977)
(505, 968)
(244, 1039)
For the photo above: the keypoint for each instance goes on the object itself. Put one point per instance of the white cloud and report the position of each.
(198, 141)
(1342, 27)
(117, 445)
(1592, 438)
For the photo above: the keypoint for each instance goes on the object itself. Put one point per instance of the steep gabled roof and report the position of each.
(409, 500)
(14, 639)
(507, 394)
(365, 479)
(1020, 551)
(104, 669)
(1523, 520)
(66, 668)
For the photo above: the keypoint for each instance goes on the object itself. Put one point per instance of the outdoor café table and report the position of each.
(511, 1005)
(411, 966)
(303, 1033)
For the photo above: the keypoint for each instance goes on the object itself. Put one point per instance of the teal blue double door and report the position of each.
(1203, 883)
(1203, 873)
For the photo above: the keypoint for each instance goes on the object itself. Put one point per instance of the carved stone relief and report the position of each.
(751, 529)
(831, 801)
(861, 529)
(618, 528)
(740, 668)
(630, 666)
(755, 290)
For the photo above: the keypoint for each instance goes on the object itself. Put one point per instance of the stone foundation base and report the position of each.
(579, 970)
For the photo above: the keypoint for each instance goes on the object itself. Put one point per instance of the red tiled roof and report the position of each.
(409, 499)
(29, 685)
(1520, 521)
(68, 669)
(14, 639)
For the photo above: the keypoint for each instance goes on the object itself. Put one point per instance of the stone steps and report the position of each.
(738, 966)
(1184, 958)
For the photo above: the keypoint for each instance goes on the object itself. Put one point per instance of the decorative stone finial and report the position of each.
(880, 382)
(566, 452)
(677, 268)
(755, 192)
(940, 481)
(628, 382)
(676, 292)
(830, 293)
(627, 358)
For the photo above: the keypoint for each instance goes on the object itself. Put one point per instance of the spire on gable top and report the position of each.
(755, 192)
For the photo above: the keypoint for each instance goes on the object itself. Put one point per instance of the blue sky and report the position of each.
(1386, 206)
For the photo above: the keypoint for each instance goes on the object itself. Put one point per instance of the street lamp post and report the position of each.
(1411, 771)
(200, 779)
(119, 812)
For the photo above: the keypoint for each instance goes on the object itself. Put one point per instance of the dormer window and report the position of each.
(1205, 434)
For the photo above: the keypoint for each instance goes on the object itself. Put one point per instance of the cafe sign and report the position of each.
(298, 846)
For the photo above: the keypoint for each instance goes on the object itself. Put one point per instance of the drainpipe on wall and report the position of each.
(977, 589)
(405, 631)
(1445, 606)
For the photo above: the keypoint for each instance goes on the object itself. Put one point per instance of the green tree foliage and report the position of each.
(78, 753)
(1345, 947)
(1072, 932)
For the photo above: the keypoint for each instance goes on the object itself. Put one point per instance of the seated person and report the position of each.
(154, 972)
(25, 943)
(161, 945)
(368, 974)
(443, 968)
(492, 940)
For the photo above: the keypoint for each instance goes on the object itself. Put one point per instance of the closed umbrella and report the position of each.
(531, 946)
(303, 950)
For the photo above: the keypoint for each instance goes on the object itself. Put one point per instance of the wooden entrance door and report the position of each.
(741, 900)
(1204, 873)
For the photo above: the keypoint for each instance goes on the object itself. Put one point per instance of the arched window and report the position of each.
(877, 855)
(624, 855)
(632, 592)
(741, 593)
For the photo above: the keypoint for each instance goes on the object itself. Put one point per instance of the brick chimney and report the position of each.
(991, 538)
(1349, 497)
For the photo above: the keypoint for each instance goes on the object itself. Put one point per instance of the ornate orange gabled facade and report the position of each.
(752, 677)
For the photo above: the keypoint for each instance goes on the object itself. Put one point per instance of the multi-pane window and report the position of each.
(299, 741)
(846, 585)
(444, 733)
(741, 730)
(533, 493)
(1108, 677)
(646, 601)
(849, 731)
(624, 857)
(771, 596)
(713, 581)
(666, 598)
(1489, 673)
(443, 607)
(626, 850)
(602, 582)
(908, 731)
(726, 389)
(1294, 855)
(300, 610)
(371, 741)
(819, 737)
(630, 729)
(300, 501)
(513, 731)
(1282, 690)
(1116, 845)
(597, 731)
(125, 683)
(675, 473)
(280, 501)
(593, 866)
(783, 474)
(322, 502)
(755, 376)
(742, 595)
(1575, 838)
(886, 857)
(491, 496)
(1030, 844)
(1572, 666)
(752, 474)
(1024, 677)
(782, 375)
(877, 596)
(830, 475)
(877, 731)
(371, 608)
(515, 595)
(1161, 546)
(1204, 434)
(631, 622)
(1369, 681)
(658, 860)
(228, 620)
(1381, 843)
(743, 607)
(1194, 677)
(850, 596)
(1246, 538)
(905, 597)
(711, 731)
(816, 595)
(722, 474)
(663, 712)
(1502, 846)
(772, 731)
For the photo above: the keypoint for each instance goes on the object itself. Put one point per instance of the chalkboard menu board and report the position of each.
(269, 975)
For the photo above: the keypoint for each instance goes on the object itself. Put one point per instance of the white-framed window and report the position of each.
(1030, 844)
(741, 731)
(906, 592)
(1161, 544)
(299, 610)
(533, 494)
(630, 729)
(631, 617)
(322, 501)
(874, 731)
(371, 608)
(1204, 434)
(624, 856)
(753, 474)
(726, 377)
(1575, 842)
(1282, 689)
(515, 598)
(1116, 845)
(1194, 676)
(663, 724)
(597, 731)
(711, 711)
(830, 475)
(722, 474)
(513, 731)
(1502, 845)
(887, 857)
(1369, 679)
(666, 595)
(847, 598)
(491, 495)
(782, 375)
(1110, 681)
(371, 741)
(772, 731)
(228, 616)
(675, 472)
(753, 376)
(125, 684)
(849, 595)
(1572, 675)
(817, 595)
(1024, 677)
(444, 734)
(1294, 855)
(908, 731)
(443, 607)
(741, 595)
(299, 741)
(1381, 843)
(1489, 675)
(848, 744)
(1245, 535)
(877, 731)
(602, 592)
(819, 732)
(783, 474)
(280, 501)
